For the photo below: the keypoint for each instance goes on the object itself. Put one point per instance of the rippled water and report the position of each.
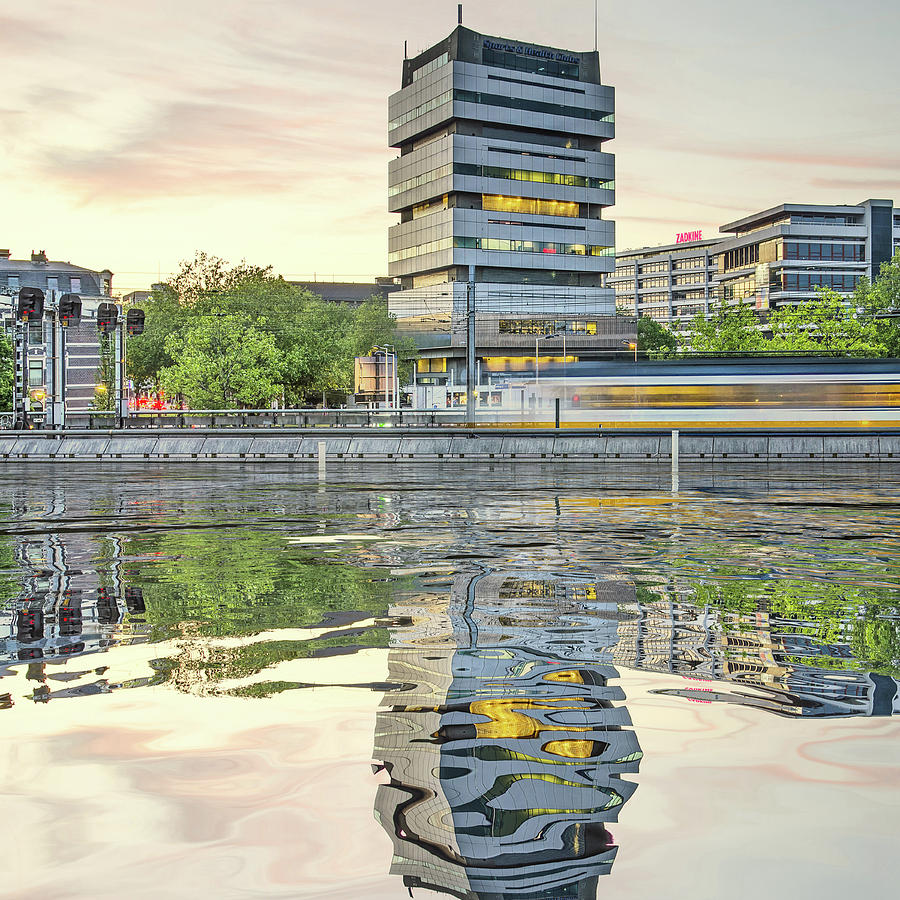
(469, 681)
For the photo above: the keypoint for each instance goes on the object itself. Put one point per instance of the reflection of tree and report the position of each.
(244, 581)
(203, 587)
(846, 627)
(804, 647)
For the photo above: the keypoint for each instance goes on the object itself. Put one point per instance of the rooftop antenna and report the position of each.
(596, 29)
(404, 51)
(459, 16)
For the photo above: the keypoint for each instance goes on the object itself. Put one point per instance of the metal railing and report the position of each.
(269, 418)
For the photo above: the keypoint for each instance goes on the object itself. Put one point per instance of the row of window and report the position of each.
(436, 63)
(536, 66)
(741, 257)
(421, 109)
(624, 271)
(529, 206)
(532, 176)
(544, 326)
(550, 109)
(653, 283)
(54, 283)
(501, 245)
(693, 262)
(844, 252)
(539, 106)
(689, 279)
(654, 267)
(823, 220)
(536, 153)
(793, 281)
(519, 246)
(500, 172)
(555, 87)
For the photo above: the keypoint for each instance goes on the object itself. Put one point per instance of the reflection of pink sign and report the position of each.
(684, 237)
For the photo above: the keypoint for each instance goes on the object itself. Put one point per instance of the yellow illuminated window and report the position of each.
(431, 365)
(529, 206)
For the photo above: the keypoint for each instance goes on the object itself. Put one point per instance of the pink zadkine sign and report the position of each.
(684, 237)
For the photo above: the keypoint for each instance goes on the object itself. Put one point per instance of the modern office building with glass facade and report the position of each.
(772, 258)
(667, 282)
(501, 179)
(781, 255)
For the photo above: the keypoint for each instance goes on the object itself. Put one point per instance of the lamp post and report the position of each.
(631, 345)
(388, 350)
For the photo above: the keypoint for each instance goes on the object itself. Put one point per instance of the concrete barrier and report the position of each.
(432, 444)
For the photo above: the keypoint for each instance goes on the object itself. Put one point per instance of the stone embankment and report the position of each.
(235, 444)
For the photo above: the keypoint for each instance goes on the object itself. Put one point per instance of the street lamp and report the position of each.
(631, 345)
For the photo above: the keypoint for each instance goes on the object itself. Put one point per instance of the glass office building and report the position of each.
(501, 179)
(772, 258)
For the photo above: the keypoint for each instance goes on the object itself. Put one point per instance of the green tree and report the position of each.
(223, 361)
(6, 374)
(105, 389)
(657, 341)
(880, 302)
(316, 340)
(828, 324)
(729, 329)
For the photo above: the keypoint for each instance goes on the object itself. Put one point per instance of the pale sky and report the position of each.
(134, 133)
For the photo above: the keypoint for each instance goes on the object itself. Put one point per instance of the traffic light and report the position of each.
(134, 322)
(107, 608)
(69, 310)
(31, 304)
(30, 623)
(69, 617)
(107, 317)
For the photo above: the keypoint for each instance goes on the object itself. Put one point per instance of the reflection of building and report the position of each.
(791, 671)
(66, 607)
(501, 738)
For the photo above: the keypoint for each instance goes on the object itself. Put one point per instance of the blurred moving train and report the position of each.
(718, 393)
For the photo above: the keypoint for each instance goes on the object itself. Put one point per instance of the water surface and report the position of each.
(456, 680)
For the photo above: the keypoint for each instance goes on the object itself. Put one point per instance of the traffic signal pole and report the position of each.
(470, 347)
(20, 375)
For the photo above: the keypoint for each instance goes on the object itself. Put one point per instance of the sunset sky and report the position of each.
(134, 133)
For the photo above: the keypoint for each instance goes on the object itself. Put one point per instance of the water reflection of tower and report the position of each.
(501, 740)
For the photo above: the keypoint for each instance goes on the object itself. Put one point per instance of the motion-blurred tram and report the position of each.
(717, 393)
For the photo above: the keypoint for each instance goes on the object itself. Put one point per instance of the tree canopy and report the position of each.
(6, 374)
(865, 325)
(297, 345)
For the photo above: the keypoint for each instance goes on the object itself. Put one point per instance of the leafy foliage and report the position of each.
(223, 361)
(657, 341)
(729, 329)
(314, 341)
(6, 374)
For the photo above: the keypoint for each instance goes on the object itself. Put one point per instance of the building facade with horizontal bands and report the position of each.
(772, 258)
(502, 179)
(671, 281)
(56, 278)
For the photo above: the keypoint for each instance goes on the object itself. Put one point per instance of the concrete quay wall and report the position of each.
(434, 444)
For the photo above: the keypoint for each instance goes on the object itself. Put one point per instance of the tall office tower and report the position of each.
(502, 179)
